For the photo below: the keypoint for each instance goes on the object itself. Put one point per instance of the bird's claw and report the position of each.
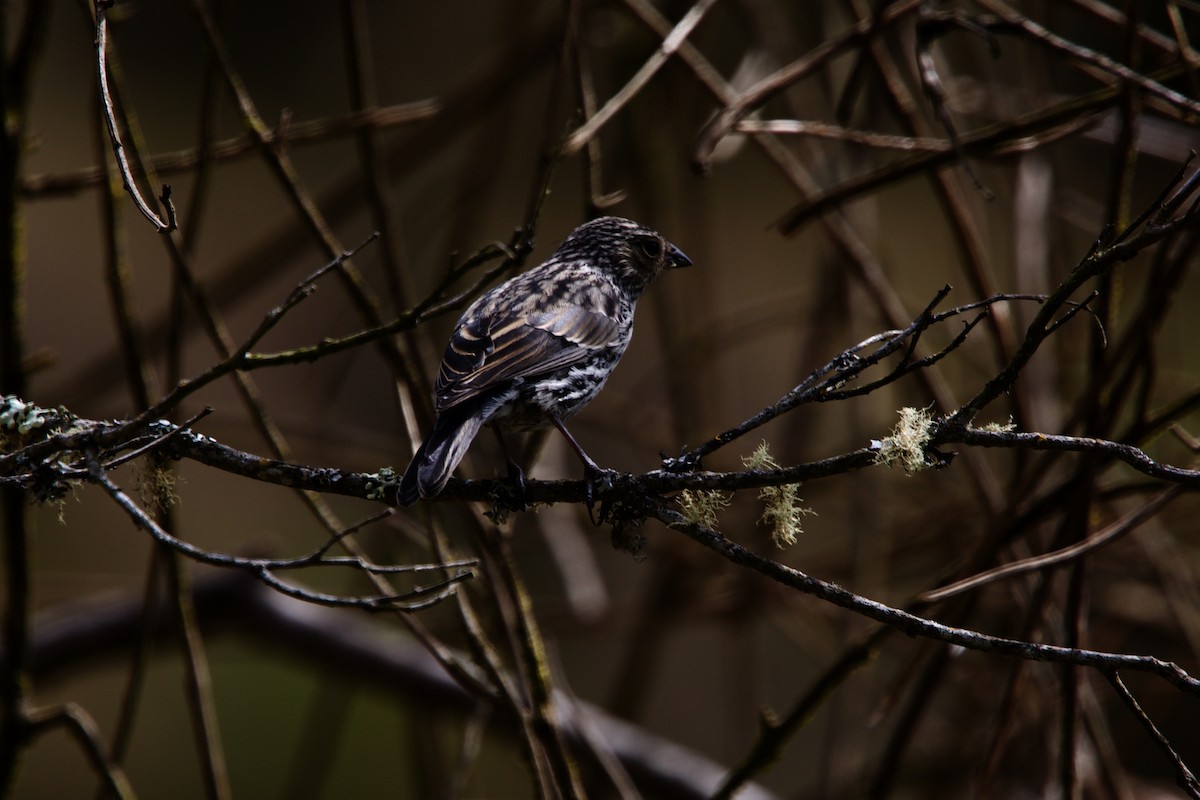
(597, 478)
(517, 476)
(509, 494)
(684, 462)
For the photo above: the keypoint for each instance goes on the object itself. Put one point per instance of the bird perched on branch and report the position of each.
(535, 349)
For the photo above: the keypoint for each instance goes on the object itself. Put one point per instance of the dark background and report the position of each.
(677, 640)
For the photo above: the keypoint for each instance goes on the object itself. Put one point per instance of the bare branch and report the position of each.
(1109, 533)
(660, 56)
(1187, 779)
(264, 569)
(162, 225)
(80, 725)
(914, 625)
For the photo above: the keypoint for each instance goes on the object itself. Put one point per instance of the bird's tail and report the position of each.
(438, 455)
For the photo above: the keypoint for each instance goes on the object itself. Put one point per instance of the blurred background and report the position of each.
(476, 98)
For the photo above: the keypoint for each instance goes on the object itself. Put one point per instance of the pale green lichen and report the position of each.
(382, 485)
(700, 507)
(16, 414)
(906, 446)
(156, 486)
(782, 504)
(59, 502)
(1000, 427)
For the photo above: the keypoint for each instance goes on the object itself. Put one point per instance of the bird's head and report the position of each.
(633, 253)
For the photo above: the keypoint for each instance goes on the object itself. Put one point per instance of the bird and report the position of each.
(534, 350)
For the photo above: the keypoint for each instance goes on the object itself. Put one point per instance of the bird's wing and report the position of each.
(488, 351)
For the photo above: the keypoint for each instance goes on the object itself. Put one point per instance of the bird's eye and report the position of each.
(651, 248)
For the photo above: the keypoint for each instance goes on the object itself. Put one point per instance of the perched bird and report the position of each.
(535, 349)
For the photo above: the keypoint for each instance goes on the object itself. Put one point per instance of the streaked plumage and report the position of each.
(541, 345)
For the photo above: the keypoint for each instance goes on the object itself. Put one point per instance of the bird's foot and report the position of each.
(517, 476)
(509, 494)
(684, 462)
(597, 480)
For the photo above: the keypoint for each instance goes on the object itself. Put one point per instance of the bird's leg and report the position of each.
(515, 473)
(591, 470)
(588, 464)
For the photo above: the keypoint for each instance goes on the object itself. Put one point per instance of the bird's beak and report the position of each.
(676, 258)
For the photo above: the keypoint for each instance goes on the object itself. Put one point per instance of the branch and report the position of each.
(68, 637)
(1187, 779)
(1010, 20)
(1064, 555)
(826, 383)
(1051, 120)
(660, 56)
(911, 624)
(83, 729)
(419, 597)
(743, 104)
(641, 495)
(1154, 225)
(168, 224)
(313, 131)
(947, 432)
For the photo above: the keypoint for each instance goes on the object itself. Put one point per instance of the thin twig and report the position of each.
(837, 133)
(303, 132)
(162, 225)
(1109, 533)
(80, 725)
(931, 81)
(825, 384)
(914, 625)
(1010, 17)
(742, 104)
(1102, 258)
(1126, 453)
(1072, 112)
(1187, 779)
(412, 600)
(657, 59)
